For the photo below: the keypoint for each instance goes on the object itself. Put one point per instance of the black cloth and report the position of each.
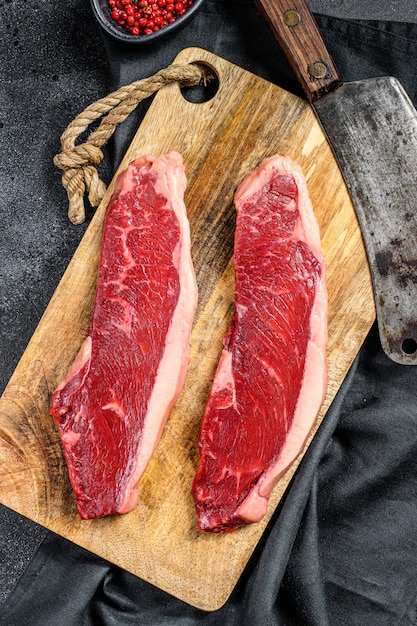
(341, 548)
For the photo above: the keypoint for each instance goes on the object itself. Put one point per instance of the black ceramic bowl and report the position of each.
(102, 12)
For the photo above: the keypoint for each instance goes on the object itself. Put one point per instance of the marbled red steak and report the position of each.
(271, 377)
(115, 399)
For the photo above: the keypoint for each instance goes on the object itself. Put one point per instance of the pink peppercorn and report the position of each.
(144, 17)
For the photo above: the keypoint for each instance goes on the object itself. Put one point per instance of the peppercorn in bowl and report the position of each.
(143, 21)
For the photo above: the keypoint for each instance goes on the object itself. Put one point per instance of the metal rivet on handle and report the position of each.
(318, 70)
(291, 17)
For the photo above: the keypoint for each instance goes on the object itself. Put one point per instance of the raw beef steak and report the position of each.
(117, 395)
(271, 377)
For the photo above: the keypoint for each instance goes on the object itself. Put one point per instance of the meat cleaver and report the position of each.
(371, 126)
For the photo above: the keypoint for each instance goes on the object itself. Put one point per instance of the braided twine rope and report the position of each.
(78, 162)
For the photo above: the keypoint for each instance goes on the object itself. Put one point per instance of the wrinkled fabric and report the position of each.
(341, 547)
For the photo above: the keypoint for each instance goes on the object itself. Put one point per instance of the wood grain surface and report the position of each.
(220, 140)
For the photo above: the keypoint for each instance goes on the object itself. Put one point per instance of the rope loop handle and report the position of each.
(78, 161)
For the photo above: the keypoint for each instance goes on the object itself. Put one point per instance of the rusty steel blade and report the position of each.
(372, 128)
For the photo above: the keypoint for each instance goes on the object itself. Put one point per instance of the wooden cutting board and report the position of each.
(220, 140)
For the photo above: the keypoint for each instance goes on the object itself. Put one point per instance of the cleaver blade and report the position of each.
(371, 126)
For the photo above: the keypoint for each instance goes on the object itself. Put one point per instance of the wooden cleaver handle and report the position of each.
(296, 30)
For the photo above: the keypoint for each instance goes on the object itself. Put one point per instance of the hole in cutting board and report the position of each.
(202, 93)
